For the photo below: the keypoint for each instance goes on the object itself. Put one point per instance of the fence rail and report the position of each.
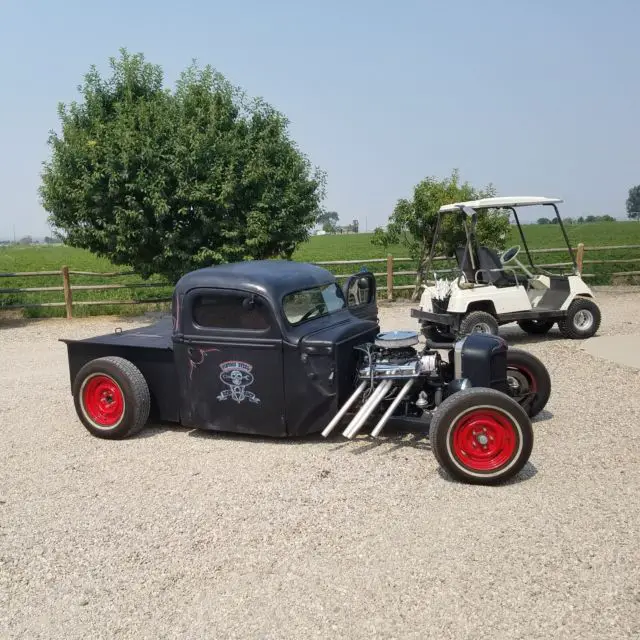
(390, 273)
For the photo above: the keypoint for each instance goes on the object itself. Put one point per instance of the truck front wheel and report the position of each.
(111, 398)
(481, 436)
(529, 381)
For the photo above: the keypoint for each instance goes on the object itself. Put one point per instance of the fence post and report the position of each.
(580, 256)
(66, 285)
(389, 277)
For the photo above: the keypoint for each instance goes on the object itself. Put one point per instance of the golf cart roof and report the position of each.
(496, 203)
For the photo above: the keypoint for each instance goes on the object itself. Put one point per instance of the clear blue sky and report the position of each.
(540, 98)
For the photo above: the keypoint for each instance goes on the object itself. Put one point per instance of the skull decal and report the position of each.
(237, 376)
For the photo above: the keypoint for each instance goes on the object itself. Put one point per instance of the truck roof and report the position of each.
(272, 278)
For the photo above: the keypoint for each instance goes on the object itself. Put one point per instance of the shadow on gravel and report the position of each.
(399, 437)
(528, 472)
(543, 416)
(516, 337)
(393, 437)
(393, 440)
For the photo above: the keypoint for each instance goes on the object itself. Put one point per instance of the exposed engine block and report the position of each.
(391, 369)
(394, 372)
(393, 356)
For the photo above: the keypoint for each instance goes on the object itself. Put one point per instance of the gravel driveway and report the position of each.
(182, 534)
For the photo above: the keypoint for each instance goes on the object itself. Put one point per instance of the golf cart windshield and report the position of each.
(482, 265)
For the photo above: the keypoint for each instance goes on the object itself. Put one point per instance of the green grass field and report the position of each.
(317, 249)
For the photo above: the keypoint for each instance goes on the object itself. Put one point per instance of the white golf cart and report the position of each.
(488, 293)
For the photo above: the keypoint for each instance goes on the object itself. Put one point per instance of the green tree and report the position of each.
(633, 203)
(328, 220)
(413, 221)
(169, 181)
(543, 221)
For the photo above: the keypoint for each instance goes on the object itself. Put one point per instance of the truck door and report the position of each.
(230, 363)
(360, 294)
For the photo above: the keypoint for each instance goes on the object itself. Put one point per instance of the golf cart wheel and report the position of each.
(479, 322)
(111, 398)
(536, 327)
(481, 436)
(435, 334)
(582, 319)
(529, 381)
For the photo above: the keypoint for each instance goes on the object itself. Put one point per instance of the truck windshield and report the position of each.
(307, 304)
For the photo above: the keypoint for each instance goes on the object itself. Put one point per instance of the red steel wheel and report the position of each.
(111, 397)
(102, 401)
(484, 439)
(481, 436)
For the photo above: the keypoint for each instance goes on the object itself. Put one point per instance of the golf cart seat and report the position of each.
(492, 270)
(462, 256)
(489, 269)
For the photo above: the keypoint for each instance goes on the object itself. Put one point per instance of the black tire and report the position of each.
(435, 334)
(529, 381)
(570, 325)
(504, 422)
(536, 327)
(111, 398)
(473, 320)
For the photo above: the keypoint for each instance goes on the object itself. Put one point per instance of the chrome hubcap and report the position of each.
(583, 320)
(481, 327)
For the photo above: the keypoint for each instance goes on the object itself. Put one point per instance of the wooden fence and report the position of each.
(65, 273)
(390, 273)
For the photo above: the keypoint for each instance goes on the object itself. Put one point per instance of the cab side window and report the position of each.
(231, 310)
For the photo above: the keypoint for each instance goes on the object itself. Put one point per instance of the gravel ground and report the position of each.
(182, 534)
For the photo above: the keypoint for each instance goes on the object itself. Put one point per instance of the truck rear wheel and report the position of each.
(111, 398)
(481, 436)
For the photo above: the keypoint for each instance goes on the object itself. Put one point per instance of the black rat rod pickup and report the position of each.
(279, 348)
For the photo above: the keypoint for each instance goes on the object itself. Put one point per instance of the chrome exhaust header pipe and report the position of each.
(345, 407)
(392, 407)
(367, 409)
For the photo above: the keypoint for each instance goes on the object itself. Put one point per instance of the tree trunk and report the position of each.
(419, 278)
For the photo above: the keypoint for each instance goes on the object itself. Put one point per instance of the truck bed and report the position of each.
(150, 349)
(155, 336)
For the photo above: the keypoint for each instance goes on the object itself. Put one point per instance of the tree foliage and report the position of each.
(169, 181)
(328, 220)
(605, 218)
(633, 203)
(413, 221)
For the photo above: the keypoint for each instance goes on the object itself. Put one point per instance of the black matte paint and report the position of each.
(150, 349)
(477, 350)
(301, 375)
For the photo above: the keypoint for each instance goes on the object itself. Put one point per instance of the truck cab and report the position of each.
(257, 347)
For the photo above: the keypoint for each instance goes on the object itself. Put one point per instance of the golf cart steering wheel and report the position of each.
(510, 254)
